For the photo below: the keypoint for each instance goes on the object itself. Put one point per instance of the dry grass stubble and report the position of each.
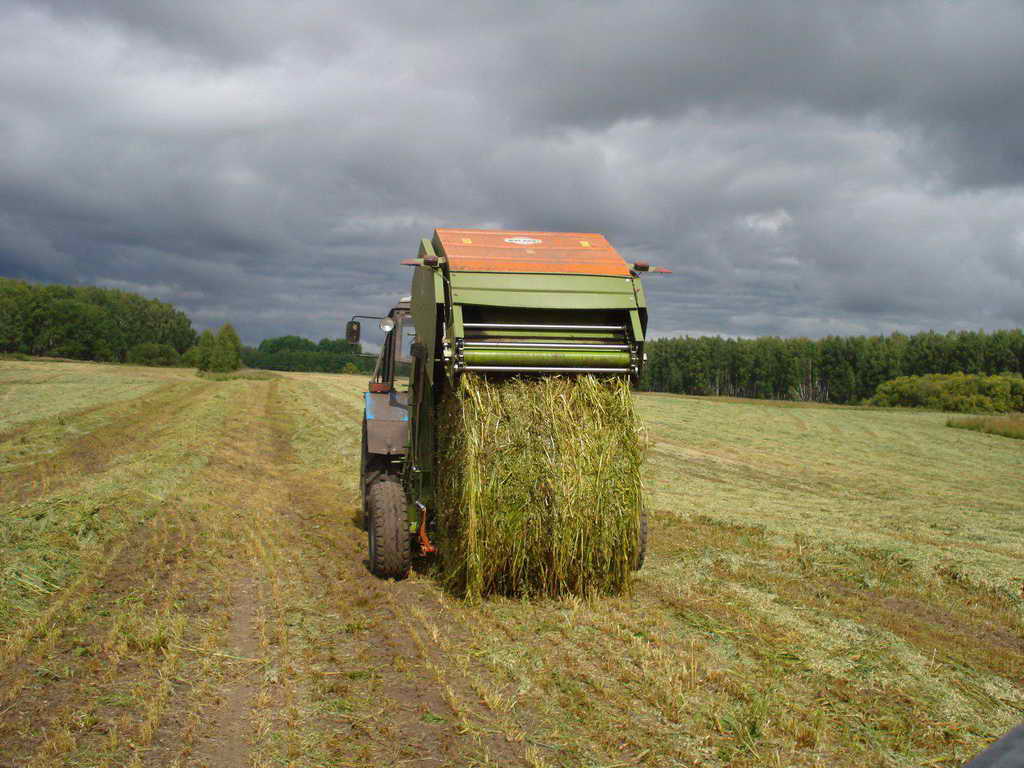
(836, 590)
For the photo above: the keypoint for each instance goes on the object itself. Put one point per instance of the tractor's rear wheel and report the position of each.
(641, 549)
(390, 551)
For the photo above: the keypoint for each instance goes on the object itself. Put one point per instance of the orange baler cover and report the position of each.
(488, 250)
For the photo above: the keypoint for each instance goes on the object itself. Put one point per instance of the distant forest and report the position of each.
(107, 325)
(294, 353)
(834, 369)
(86, 323)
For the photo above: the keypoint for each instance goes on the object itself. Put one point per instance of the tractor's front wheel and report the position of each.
(390, 551)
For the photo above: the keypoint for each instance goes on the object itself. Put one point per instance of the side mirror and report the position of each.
(352, 332)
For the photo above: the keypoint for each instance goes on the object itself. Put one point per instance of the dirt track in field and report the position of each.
(217, 610)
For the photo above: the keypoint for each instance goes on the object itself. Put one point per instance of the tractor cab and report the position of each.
(386, 401)
(395, 353)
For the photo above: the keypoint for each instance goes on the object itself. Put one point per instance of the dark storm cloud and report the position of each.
(807, 168)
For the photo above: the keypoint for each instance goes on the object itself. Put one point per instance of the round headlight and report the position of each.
(387, 325)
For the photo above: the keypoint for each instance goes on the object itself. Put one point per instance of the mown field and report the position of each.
(182, 583)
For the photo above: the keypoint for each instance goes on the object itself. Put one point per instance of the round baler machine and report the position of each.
(497, 304)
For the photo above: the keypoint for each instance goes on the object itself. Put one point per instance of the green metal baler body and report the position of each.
(509, 323)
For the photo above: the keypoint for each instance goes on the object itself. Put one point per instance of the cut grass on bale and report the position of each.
(540, 490)
(1007, 426)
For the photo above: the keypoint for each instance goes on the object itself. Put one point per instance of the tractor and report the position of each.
(492, 303)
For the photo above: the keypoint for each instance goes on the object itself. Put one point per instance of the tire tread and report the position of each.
(391, 555)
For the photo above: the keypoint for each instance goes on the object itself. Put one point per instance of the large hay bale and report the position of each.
(538, 486)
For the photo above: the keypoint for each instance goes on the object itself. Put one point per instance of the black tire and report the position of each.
(641, 550)
(390, 551)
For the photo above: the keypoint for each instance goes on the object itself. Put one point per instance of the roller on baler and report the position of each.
(498, 305)
(514, 358)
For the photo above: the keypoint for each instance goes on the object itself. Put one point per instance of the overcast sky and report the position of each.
(806, 168)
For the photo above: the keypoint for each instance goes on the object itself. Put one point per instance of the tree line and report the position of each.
(85, 322)
(108, 325)
(104, 324)
(833, 369)
(295, 353)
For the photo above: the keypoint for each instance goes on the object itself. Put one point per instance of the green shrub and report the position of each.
(221, 353)
(191, 357)
(150, 353)
(227, 350)
(956, 392)
(204, 350)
